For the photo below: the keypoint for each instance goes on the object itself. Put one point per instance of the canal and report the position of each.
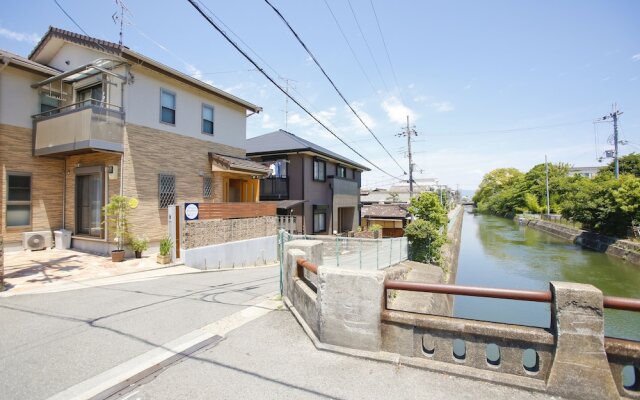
(497, 252)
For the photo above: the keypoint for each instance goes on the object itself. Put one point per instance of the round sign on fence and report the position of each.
(191, 211)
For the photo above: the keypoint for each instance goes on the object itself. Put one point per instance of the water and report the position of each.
(497, 252)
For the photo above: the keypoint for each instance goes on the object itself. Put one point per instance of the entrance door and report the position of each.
(89, 202)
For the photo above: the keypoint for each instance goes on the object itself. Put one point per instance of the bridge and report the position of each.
(348, 311)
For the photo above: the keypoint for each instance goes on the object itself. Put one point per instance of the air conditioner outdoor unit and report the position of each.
(36, 240)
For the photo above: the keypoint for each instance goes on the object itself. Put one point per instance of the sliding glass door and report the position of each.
(89, 203)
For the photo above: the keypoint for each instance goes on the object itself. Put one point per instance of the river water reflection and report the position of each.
(497, 252)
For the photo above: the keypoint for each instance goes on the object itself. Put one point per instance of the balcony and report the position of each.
(272, 188)
(343, 186)
(79, 128)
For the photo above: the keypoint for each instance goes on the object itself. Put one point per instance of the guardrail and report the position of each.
(76, 106)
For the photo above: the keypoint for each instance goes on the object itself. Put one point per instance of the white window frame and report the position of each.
(175, 105)
(213, 116)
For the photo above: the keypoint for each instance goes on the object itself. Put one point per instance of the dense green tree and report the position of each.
(426, 240)
(428, 232)
(427, 207)
(629, 164)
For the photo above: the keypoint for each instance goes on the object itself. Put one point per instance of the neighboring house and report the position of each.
(322, 187)
(589, 172)
(83, 119)
(393, 218)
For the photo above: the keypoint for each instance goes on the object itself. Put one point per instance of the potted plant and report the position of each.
(166, 244)
(116, 214)
(138, 245)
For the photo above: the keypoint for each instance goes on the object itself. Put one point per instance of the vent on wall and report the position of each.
(36, 240)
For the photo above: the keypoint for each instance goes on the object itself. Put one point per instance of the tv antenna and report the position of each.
(120, 18)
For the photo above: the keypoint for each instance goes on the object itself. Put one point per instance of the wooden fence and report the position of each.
(237, 210)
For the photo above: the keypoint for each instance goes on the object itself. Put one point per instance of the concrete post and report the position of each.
(580, 368)
(310, 250)
(350, 306)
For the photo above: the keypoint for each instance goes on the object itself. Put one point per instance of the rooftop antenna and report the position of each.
(120, 18)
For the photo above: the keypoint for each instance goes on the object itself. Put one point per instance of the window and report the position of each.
(18, 199)
(319, 218)
(207, 184)
(91, 95)
(319, 170)
(48, 103)
(207, 119)
(342, 171)
(167, 107)
(166, 190)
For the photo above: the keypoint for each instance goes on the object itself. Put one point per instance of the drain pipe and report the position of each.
(64, 195)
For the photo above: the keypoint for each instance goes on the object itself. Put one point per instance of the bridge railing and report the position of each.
(522, 351)
(345, 308)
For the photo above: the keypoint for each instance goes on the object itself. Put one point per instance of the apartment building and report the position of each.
(82, 119)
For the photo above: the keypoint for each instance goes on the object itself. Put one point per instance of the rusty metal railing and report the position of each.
(618, 303)
(302, 263)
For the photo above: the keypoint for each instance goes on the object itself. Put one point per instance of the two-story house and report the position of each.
(326, 185)
(82, 119)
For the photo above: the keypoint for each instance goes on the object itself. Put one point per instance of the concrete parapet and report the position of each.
(580, 367)
(350, 304)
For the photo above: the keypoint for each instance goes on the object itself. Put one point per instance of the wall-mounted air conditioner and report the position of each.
(36, 240)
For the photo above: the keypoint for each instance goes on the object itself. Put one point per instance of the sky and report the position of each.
(486, 84)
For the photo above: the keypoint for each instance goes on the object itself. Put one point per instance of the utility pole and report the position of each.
(546, 171)
(408, 132)
(614, 116)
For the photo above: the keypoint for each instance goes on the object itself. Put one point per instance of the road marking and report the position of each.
(116, 379)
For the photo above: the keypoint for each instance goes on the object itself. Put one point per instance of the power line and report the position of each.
(73, 20)
(315, 60)
(386, 49)
(352, 51)
(266, 75)
(368, 47)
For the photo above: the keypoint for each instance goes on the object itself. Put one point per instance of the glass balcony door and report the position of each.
(89, 203)
(86, 95)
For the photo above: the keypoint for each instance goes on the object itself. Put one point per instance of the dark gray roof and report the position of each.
(385, 211)
(236, 163)
(282, 141)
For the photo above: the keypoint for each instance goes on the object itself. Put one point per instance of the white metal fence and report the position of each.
(355, 253)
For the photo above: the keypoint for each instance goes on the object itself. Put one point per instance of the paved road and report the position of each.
(53, 341)
(272, 358)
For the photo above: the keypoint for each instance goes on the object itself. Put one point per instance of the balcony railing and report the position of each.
(79, 128)
(344, 186)
(272, 188)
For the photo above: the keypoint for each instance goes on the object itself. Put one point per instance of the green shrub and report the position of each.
(166, 244)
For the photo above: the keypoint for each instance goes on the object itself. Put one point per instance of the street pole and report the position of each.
(409, 132)
(615, 140)
(546, 169)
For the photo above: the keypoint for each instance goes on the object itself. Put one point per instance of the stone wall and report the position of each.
(621, 248)
(202, 233)
(451, 250)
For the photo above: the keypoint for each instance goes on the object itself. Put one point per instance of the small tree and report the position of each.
(427, 207)
(116, 214)
(426, 240)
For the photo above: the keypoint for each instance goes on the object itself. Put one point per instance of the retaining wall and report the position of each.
(238, 254)
(625, 249)
(451, 250)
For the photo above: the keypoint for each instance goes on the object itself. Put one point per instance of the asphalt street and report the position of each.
(55, 340)
(272, 358)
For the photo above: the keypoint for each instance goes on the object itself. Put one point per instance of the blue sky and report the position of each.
(487, 84)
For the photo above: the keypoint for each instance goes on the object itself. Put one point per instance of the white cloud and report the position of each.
(636, 57)
(20, 37)
(442, 106)
(397, 112)
(267, 122)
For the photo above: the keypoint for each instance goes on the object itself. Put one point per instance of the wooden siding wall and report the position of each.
(47, 176)
(237, 210)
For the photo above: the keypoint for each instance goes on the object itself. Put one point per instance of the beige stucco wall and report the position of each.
(18, 101)
(142, 103)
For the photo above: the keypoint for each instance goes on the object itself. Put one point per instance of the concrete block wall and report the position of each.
(237, 254)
